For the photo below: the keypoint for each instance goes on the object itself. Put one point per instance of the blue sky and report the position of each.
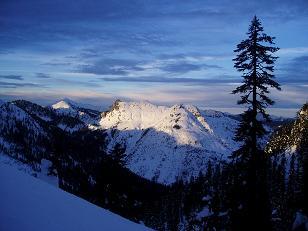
(163, 51)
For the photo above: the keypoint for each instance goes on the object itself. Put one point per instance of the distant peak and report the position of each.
(62, 104)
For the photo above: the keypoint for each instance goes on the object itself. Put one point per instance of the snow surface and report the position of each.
(43, 173)
(29, 204)
(165, 143)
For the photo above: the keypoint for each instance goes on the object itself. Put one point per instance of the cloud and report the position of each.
(301, 59)
(57, 64)
(11, 77)
(134, 25)
(15, 85)
(124, 67)
(85, 83)
(111, 67)
(194, 56)
(4, 51)
(59, 11)
(291, 96)
(293, 51)
(295, 71)
(42, 76)
(89, 53)
(157, 79)
(184, 67)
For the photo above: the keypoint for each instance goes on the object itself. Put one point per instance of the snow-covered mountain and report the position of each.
(30, 204)
(30, 132)
(67, 107)
(81, 151)
(292, 137)
(22, 136)
(161, 143)
(168, 143)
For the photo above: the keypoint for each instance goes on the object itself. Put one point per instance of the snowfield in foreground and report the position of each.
(30, 204)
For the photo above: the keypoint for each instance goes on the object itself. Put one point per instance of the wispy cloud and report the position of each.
(158, 79)
(293, 51)
(295, 71)
(11, 77)
(111, 67)
(57, 64)
(42, 76)
(15, 85)
(74, 82)
(124, 67)
(184, 67)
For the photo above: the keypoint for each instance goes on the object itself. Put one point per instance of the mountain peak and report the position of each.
(175, 139)
(65, 104)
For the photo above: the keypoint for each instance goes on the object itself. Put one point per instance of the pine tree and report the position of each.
(256, 61)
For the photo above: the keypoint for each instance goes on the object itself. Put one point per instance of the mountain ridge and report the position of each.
(161, 143)
(174, 138)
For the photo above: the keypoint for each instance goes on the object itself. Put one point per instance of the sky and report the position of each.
(165, 52)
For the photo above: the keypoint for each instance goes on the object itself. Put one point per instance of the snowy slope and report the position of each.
(29, 204)
(167, 143)
(42, 173)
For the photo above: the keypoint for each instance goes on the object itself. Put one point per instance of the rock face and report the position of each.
(167, 143)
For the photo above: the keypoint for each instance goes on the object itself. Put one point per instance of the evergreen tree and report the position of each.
(256, 61)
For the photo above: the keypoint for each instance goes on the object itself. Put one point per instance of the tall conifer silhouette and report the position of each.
(255, 61)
